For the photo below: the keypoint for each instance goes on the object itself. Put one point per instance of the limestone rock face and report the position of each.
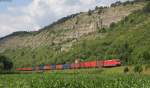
(68, 31)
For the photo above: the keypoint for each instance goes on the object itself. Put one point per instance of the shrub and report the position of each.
(126, 70)
(112, 25)
(103, 30)
(90, 12)
(146, 56)
(96, 8)
(138, 69)
(100, 11)
(22, 53)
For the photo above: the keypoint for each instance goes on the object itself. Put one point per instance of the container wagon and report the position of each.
(75, 66)
(66, 66)
(53, 67)
(87, 64)
(59, 67)
(47, 67)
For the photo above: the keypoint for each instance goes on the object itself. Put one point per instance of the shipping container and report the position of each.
(37, 68)
(66, 66)
(59, 67)
(72, 66)
(47, 67)
(53, 67)
(41, 67)
(87, 64)
(75, 66)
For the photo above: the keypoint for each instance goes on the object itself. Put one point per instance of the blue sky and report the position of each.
(32, 15)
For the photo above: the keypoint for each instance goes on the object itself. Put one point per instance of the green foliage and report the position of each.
(146, 55)
(103, 30)
(124, 52)
(112, 25)
(126, 70)
(138, 69)
(74, 81)
(6, 64)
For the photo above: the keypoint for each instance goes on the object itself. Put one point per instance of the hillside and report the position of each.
(67, 29)
(84, 35)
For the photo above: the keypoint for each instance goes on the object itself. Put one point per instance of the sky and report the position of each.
(32, 15)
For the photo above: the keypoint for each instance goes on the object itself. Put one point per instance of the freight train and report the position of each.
(87, 64)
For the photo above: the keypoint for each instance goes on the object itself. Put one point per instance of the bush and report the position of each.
(90, 12)
(103, 30)
(96, 8)
(138, 69)
(126, 70)
(146, 56)
(112, 25)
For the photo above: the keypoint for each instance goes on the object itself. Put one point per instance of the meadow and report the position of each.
(84, 78)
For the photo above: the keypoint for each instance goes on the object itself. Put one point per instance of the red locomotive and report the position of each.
(87, 64)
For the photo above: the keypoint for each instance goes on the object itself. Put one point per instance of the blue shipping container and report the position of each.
(66, 66)
(41, 67)
(53, 67)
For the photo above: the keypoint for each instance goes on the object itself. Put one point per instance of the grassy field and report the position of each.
(84, 78)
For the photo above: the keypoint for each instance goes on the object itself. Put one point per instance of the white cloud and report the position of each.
(88, 2)
(40, 13)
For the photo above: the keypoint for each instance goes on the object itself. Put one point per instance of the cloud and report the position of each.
(88, 2)
(39, 13)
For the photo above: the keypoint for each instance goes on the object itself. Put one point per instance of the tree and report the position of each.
(103, 30)
(113, 24)
(1, 66)
(6, 62)
(96, 8)
(124, 52)
(146, 56)
(90, 12)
